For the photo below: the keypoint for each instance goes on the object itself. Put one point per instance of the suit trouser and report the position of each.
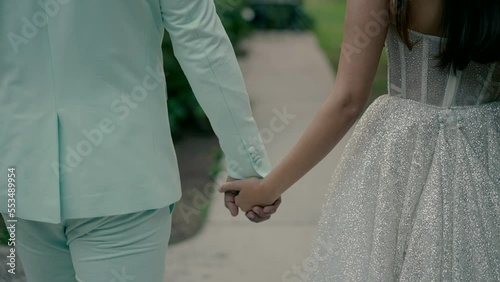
(118, 248)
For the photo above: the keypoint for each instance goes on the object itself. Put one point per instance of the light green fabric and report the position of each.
(119, 248)
(83, 114)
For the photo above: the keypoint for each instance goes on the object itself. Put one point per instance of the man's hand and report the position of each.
(257, 213)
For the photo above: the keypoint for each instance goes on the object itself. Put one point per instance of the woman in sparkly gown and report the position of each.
(416, 195)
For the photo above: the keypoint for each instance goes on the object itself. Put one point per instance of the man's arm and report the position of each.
(207, 58)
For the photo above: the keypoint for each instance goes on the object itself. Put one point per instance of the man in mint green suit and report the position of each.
(83, 116)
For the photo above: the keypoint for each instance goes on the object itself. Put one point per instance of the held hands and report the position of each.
(251, 197)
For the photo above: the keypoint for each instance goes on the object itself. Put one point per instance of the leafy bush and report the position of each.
(4, 234)
(231, 13)
(280, 14)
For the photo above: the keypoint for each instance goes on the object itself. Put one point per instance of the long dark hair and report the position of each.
(472, 29)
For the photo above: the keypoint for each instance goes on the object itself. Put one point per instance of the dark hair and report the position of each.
(472, 29)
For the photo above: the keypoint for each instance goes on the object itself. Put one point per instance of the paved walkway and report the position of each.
(281, 70)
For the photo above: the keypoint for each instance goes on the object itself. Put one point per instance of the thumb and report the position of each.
(230, 186)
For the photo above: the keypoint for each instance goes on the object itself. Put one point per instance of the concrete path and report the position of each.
(282, 70)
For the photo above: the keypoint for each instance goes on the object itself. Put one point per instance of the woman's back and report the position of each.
(415, 74)
(425, 15)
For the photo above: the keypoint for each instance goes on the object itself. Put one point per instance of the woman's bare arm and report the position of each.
(365, 30)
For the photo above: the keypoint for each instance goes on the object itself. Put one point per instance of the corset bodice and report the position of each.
(413, 74)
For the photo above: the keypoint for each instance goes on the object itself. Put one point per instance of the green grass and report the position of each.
(329, 26)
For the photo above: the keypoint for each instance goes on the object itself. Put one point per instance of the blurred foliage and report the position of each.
(185, 113)
(232, 14)
(4, 234)
(280, 14)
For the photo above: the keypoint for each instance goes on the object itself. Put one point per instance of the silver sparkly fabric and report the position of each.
(416, 195)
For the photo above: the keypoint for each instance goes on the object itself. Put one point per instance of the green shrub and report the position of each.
(231, 14)
(279, 14)
(4, 234)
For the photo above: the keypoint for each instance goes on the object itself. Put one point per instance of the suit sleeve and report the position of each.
(208, 59)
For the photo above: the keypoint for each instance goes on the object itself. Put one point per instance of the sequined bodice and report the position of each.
(413, 74)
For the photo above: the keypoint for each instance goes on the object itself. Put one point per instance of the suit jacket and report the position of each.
(83, 114)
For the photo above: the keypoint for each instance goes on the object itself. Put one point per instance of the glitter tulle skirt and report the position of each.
(415, 197)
